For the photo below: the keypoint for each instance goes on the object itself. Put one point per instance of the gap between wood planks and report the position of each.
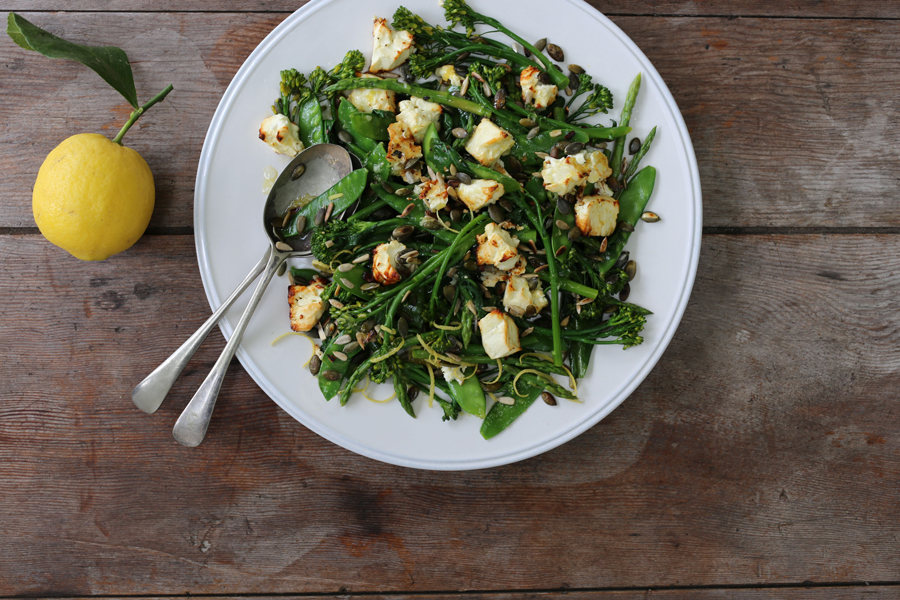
(13, 231)
(879, 586)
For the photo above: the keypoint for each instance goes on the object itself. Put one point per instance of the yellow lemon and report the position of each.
(93, 197)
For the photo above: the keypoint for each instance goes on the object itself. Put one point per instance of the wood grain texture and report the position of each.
(763, 449)
(857, 592)
(730, 8)
(794, 121)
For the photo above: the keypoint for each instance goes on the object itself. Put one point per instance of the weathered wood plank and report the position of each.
(794, 121)
(729, 8)
(857, 592)
(764, 448)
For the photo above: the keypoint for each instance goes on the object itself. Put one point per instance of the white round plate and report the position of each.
(230, 239)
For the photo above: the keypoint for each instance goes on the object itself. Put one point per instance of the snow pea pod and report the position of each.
(329, 388)
(632, 203)
(311, 124)
(344, 193)
(373, 125)
(502, 415)
(307, 274)
(469, 396)
(345, 118)
(353, 281)
(543, 142)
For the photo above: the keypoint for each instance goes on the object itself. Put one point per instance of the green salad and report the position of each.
(484, 256)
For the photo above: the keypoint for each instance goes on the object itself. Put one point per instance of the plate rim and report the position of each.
(223, 109)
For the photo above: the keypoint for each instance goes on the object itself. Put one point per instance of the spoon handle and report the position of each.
(191, 426)
(149, 394)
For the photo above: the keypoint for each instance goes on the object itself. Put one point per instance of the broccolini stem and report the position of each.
(572, 286)
(595, 133)
(615, 161)
(135, 115)
(450, 251)
(395, 85)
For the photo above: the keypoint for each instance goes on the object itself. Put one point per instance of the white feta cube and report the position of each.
(390, 48)
(366, 100)
(385, 266)
(595, 167)
(401, 149)
(448, 74)
(540, 95)
(519, 297)
(418, 114)
(496, 247)
(479, 193)
(281, 134)
(306, 305)
(499, 334)
(561, 175)
(489, 142)
(596, 215)
(433, 193)
(454, 374)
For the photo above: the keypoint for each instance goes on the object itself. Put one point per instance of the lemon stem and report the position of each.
(135, 115)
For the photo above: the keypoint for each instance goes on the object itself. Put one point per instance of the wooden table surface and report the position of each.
(759, 460)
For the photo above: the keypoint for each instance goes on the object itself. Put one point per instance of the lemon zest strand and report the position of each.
(448, 327)
(499, 373)
(543, 357)
(378, 359)
(543, 376)
(435, 353)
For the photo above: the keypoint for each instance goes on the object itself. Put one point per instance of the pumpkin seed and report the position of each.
(430, 223)
(533, 132)
(496, 213)
(574, 234)
(464, 178)
(320, 216)
(315, 363)
(564, 322)
(500, 99)
(631, 269)
(574, 147)
(556, 133)
(283, 247)
(345, 267)
(576, 69)
(351, 346)
(562, 224)
(403, 232)
(411, 163)
(554, 152)
(544, 78)
(449, 292)
(347, 284)
(402, 327)
(301, 224)
(332, 375)
(635, 146)
(555, 52)
(459, 132)
(404, 192)
(339, 355)
(387, 187)
(625, 226)
(281, 269)
(548, 398)
(456, 215)
(470, 265)
(650, 217)
(574, 81)
(559, 251)
(526, 122)
(626, 291)
(344, 339)
(298, 172)
(335, 303)
(540, 44)
(345, 137)
(563, 206)
(368, 287)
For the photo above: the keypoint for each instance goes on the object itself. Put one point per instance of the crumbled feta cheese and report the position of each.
(489, 142)
(433, 193)
(596, 215)
(533, 91)
(385, 266)
(306, 305)
(448, 74)
(418, 114)
(499, 334)
(390, 48)
(479, 193)
(563, 175)
(366, 100)
(401, 149)
(454, 374)
(281, 134)
(519, 297)
(496, 247)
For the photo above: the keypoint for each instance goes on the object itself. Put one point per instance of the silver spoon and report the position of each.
(323, 166)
